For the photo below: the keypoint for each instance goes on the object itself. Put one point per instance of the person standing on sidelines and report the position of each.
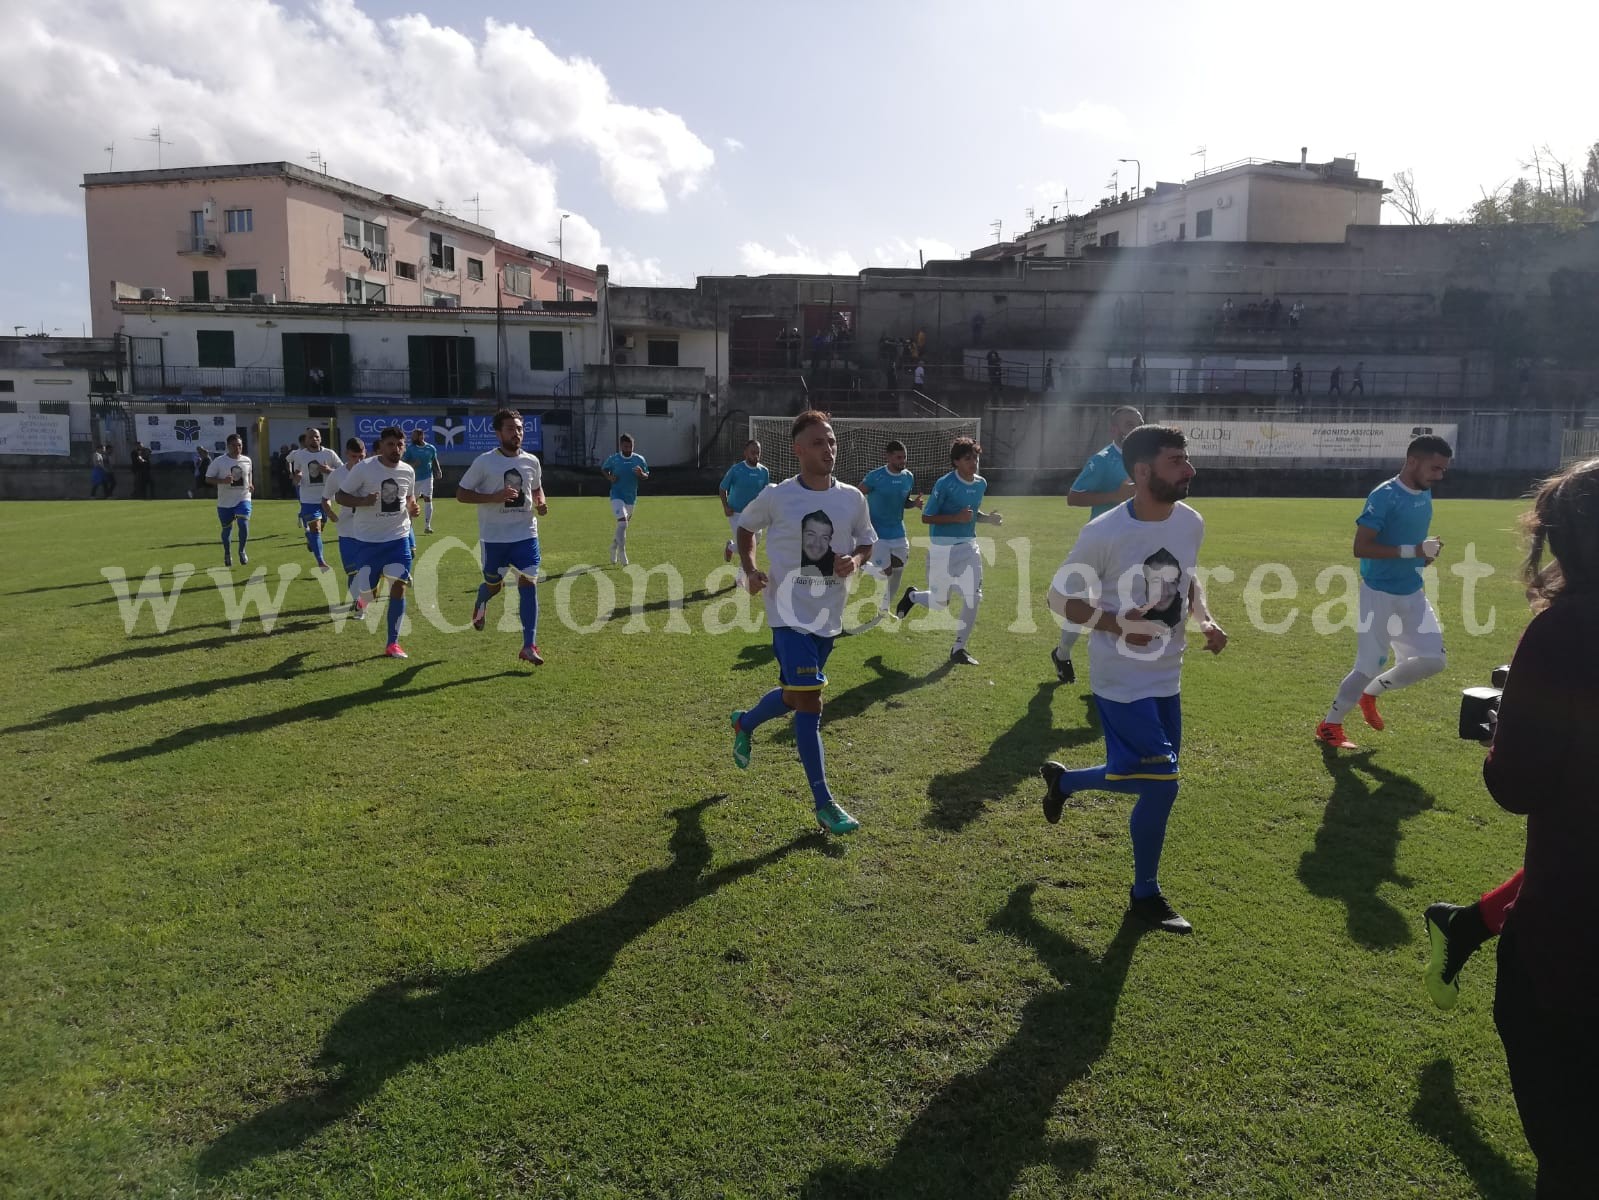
(1100, 486)
(1393, 546)
(890, 489)
(954, 562)
(745, 480)
(1132, 581)
(234, 477)
(351, 551)
(309, 466)
(382, 491)
(807, 518)
(423, 458)
(624, 469)
(507, 485)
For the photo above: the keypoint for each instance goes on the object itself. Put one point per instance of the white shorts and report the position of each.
(621, 508)
(424, 488)
(954, 568)
(1406, 623)
(887, 549)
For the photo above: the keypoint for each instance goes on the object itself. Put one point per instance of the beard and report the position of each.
(1168, 493)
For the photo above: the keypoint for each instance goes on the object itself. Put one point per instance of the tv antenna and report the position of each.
(155, 136)
(1115, 183)
(998, 227)
(1200, 155)
(476, 201)
(317, 161)
(111, 156)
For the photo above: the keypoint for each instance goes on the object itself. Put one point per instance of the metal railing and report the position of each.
(394, 382)
(190, 242)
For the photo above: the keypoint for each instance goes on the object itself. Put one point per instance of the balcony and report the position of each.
(392, 383)
(207, 244)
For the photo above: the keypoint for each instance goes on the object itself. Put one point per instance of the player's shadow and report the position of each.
(983, 1128)
(753, 656)
(255, 616)
(889, 684)
(409, 1022)
(382, 691)
(227, 641)
(56, 587)
(958, 798)
(1440, 1115)
(292, 667)
(1357, 845)
(627, 612)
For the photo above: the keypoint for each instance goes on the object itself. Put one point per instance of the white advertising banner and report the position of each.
(1305, 439)
(180, 433)
(35, 433)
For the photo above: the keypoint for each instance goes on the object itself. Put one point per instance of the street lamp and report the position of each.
(1138, 187)
(560, 251)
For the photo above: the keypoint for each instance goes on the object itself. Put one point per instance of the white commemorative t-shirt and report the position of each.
(234, 477)
(1139, 569)
(314, 467)
(330, 492)
(513, 520)
(390, 518)
(805, 532)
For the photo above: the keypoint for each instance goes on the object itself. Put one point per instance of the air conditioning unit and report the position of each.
(264, 298)
(446, 302)
(150, 293)
(529, 304)
(1224, 201)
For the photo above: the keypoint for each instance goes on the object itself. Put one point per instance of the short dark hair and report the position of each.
(1429, 443)
(504, 415)
(811, 416)
(752, 442)
(1144, 444)
(392, 431)
(962, 446)
(355, 444)
(894, 447)
(626, 437)
(232, 437)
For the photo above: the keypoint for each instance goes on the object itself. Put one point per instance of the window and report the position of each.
(1110, 239)
(518, 280)
(241, 285)
(215, 347)
(440, 256)
(240, 220)
(544, 350)
(8, 385)
(474, 268)
(363, 291)
(1202, 221)
(663, 352)
(202, 286)
(442, 367)
(352, 232)
(404, 270)
(655, 406)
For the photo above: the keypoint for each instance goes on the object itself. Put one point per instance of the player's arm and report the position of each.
(845, 565)
(1081, 499)
(932, 514)
(354, 500)
(727, 508)
(539, 505)
(328, 512)
(756, 516)
(989, 518)
(642, 470)
(1199, 609)
(1367, 546)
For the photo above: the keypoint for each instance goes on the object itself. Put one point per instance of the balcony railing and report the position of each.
(190, 242)
(385, 382)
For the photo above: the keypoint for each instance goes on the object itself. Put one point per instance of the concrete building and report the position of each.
(282, 231)
(64, 377)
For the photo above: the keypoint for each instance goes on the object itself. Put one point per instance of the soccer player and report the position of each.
(382, 491)
(624, 469)
(807, 518)
(1131, 580)
(1100, 486)
(745, 480)
(351, 551)
(954, 564)
(423, 458)
(234, 477)
(507, 485)
(309, 467)
(890, 489)
(1393, 545)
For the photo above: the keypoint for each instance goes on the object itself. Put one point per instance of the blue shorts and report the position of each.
(352, 553)
(522, 556)
(240, 510)
(391, 560)
(311, 512)
(801, 658)
(1142, 737)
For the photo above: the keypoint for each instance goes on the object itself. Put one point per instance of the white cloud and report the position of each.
(1090, 117)
(898, 252)
(401, 105)
(733, 144)
(628, 269)
(798, 260)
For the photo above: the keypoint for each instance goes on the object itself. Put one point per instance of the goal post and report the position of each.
(861, 441)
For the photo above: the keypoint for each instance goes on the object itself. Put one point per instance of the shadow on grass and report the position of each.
(57, 587)
(627, 612)
(255, 616)
(1439, 1114)
(982, 1129)
(220, 642)
(754, 656)
(292, 667)
(959, 798)
(1358, 844)
(407, 1022)
(382, 691)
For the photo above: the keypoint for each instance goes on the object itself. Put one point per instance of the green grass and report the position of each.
(281, 917)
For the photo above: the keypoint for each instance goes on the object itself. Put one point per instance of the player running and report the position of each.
(309, 467)
(382, 491)
(234, 477)
(1393, 546)
(423, 458)
(351, 550)
(1100, 486)
(954, 563)
(745, 480)
(1131, 580)
(624, 469)
(507, 485)
(890, 489)
(807, 517)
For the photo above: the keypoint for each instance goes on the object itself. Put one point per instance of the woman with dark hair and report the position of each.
(1544, 1004)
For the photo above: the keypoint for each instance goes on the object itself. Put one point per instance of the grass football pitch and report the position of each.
(282, 917)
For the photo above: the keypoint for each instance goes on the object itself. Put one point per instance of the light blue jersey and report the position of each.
(949, 495)
(743, 483)
(1400, 517)
(423, 459)
(625, 488)
(1105, 472)
(886, 494)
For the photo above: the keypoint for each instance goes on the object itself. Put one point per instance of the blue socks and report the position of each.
(227, 551)
(396, 612)
(769, 706)
(244, 532)
(529, 597)
(1147, 825)
(483, 594)
(313, 539)
(808, 739)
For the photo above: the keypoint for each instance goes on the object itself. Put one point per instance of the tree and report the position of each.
(1407, 203)
(1552, 196)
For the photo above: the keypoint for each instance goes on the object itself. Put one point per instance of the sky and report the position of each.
(723, 138)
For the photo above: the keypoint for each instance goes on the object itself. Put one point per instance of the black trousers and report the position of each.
(1553, 1055)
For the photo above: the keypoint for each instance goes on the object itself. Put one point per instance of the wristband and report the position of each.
(1407, 552)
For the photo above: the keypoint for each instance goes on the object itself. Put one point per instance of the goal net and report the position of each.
(861, 441)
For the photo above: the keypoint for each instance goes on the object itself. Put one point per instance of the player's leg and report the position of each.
(732, 542)
(967, 583)
(496, 557)
(353, 555)
(1061, 656)
(1371, 645)
(807, 659)
(225, 515)
(525, 561)
(619, 537)
(241, 521)
(312, 514)
(936, 593)
(396, 556)
(1456, 931)
(424, 491)
(769, 707)
(1418, 645)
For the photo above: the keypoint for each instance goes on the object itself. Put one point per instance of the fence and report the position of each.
(156, 379)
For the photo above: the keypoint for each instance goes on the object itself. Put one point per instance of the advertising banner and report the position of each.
(35, 433)
(473, 434)
(174, 433)
(1305, 439)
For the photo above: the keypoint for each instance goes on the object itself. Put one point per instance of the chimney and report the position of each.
(1303, 152)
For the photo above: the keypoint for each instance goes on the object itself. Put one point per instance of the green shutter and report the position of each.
(421, 385)
(241, 285)
(466, 356)
(214, 347)
(294, 381)
(544, 351)
(341, 382)
(202, 286)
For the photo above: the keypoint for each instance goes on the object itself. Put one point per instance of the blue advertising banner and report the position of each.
(473, 434)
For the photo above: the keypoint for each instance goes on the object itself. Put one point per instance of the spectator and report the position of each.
(97, 475)
(1335, 382)
(1227, 311)
(789, 341)
(1049, 375)
(1274, 313)
(110, 471)
(142, 487)
(1358, 383)
(1298, 388)
(1135, 373)
(920, 375)
(202, 468)
(996, 371)
(891, 377)
(1294, 313)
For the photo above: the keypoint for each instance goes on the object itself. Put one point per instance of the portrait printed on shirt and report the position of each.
(389, 496)
(1163, 588)
(236, 476)
(513, 480)
(816, 545)
(313, 470)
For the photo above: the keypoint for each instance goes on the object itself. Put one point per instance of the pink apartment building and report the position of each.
(297, 235)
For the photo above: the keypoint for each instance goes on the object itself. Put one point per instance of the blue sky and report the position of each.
(718, 137)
